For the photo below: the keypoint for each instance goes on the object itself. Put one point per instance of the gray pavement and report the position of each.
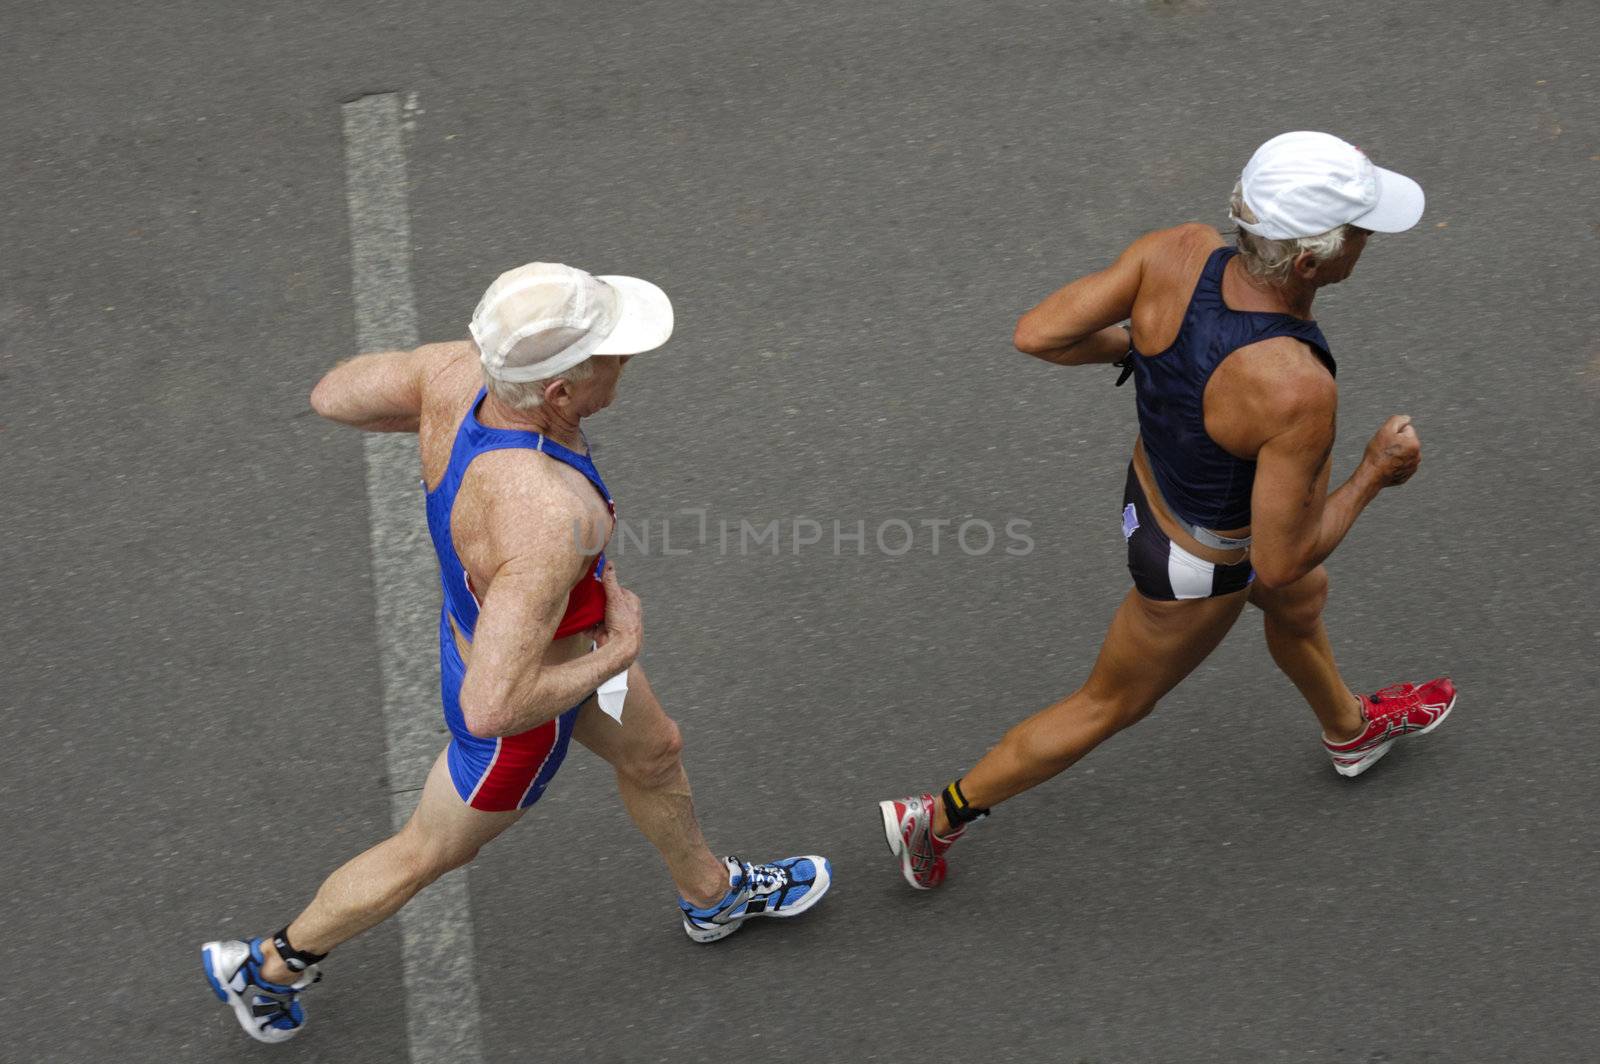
(849, 203)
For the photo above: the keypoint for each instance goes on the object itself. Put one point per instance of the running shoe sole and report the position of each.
(715, 933)
(1372, 757)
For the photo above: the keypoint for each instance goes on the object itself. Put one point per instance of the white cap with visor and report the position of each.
(537, 320)
(1305, 184)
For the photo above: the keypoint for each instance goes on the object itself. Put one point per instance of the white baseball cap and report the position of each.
(545, 317)
(1304, 184)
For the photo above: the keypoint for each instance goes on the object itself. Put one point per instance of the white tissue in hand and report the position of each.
(612, 694)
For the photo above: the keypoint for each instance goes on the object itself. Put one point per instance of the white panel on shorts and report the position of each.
(1191, 577)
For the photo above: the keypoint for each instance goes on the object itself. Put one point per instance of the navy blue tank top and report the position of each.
(586, 604)
(1202, 483)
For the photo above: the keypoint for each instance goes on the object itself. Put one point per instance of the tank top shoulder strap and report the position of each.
(1208, 290)
(1253, 326)
(463, 449)
(473, 438)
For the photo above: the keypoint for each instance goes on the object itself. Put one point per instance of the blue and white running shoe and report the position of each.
(782, 888)
(268, 1012)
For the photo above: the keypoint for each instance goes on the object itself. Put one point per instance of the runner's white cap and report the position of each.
(542, 318)
(1304, 184)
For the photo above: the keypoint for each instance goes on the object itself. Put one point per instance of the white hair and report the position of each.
(1270, 260)
(529, 395)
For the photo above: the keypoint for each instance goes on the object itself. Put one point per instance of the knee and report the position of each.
(426, 860)
(1301, 611)
(1077, 725)
(655, 763)
(437, 862)
(1111, 713)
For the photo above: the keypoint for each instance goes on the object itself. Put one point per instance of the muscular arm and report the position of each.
(1295, 522)
(508, 687)
(380, 392)
(1077, 325)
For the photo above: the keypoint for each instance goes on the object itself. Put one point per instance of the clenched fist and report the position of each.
(624, 615)
(1395, 451)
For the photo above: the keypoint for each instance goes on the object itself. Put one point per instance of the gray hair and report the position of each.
(1270, 260)
(529, 395)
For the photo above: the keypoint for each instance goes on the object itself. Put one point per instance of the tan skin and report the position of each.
(1272, 402)
(524, 527)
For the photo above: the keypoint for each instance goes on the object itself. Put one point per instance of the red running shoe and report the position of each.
(908, 825)
(1402, 709)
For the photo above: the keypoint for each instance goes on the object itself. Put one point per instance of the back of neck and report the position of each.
(1293, 297)
(543, 420)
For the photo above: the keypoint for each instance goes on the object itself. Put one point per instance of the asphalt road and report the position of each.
(849, 204)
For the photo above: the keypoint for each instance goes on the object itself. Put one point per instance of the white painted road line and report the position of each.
(436, 928)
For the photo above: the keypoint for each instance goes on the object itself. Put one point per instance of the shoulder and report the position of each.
(535, 506)
(449, 376)
(1168, 263)
(1190, 236)
(1172, 254)
(1283, 384)
(434, 361)
(1195, 233)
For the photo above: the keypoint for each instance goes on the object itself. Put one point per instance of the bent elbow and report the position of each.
(1277, 577)
(482, 727)
(1266, 580)
(322, 399)
(1024, 339)
(485, 718)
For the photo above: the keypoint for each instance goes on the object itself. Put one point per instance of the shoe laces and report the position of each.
(1395, 701)
(1394, 691)
(763, 879)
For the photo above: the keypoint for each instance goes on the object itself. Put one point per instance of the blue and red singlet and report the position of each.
(512, 771)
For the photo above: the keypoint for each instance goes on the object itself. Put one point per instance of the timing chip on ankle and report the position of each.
(957, 808)
(296, 960)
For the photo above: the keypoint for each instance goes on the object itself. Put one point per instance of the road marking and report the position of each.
(436, 927)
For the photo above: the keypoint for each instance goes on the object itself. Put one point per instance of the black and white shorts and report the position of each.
(1163, 570)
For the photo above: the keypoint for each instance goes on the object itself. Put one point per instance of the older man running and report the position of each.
(1227, 495)
(537, 640)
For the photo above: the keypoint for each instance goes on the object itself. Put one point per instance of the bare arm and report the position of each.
(508, 687)
(1077, 324)
(382, 391)
(1295, 522)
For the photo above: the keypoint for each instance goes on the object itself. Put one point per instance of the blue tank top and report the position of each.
(1202, 483)
(586, 605)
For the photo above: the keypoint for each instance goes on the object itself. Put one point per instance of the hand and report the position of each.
(1394, 452)
(624, 616)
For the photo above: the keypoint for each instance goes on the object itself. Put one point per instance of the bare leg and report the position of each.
(645, 750)
(1149, 648)
(1299, 644)
(442, 834)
